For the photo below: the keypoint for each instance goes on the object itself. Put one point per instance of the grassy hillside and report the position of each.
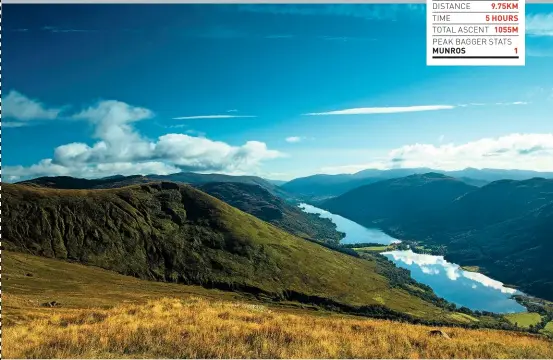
(524, 319)
(175, 233)
(106, 315)
(259, 202)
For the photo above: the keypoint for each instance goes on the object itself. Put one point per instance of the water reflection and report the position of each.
(464, 288)
(355, 233)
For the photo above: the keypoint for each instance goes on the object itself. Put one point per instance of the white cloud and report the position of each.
(121, 149)
(539, 24)
(514, 151)
(19, 107)
(212, 117)
(384, 110)
(14, 124)
(294, 139)
(405, 109)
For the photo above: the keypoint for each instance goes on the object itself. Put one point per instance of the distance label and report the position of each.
(477, 32)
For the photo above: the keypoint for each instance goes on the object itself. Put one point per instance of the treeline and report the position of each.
(335, 247)
(537, 306)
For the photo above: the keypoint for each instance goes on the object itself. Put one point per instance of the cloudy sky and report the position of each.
(279, 91)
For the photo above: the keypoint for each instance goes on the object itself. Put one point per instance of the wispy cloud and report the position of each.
(384, 110)
(364, 11)
(539, 24)
(55, 29)
(406, 109)
(294, 139)
(283, 36)
(14, 124)
(539, 53)
(225, 116)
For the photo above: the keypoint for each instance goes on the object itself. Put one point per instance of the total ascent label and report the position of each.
(477, 32)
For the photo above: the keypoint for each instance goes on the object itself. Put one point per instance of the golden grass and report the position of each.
(200, 328)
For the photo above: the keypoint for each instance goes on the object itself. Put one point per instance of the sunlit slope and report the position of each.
(174, 233)
(106, 315)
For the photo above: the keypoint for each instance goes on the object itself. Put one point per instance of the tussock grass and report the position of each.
(202, 328)
(107, 315)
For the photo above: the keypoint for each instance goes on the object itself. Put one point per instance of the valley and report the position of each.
(503, 228)
(235, 242)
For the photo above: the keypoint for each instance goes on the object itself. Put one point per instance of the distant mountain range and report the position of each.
(325, 186)
(68, 182)
(504, 227)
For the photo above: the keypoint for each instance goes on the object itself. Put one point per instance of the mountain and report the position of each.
(259, 202)
(398, 198)
(325, 186)
(505, 228)
(277, 182)
(67, 182)
(197, 179)
(516, 251)
(174, 233)
(499, 174)
(499, 201)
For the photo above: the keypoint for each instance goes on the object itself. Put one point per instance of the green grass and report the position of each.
(173, 233)
(373, 248)
(29, 281)
(548, 329)
(463, 318)
(524, 319)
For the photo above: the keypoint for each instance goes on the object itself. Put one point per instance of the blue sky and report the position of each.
(279, 91)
